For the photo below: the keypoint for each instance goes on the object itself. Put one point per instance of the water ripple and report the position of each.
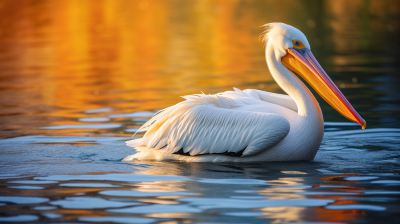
(90, 203)
(23, 200)
(356, 207)
(214, 203)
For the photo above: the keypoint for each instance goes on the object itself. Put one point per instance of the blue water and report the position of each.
(354, 178)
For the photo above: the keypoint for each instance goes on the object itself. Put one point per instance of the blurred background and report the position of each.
(86, 67)
(89, 73)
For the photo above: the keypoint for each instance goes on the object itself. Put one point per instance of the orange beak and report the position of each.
(303, 63)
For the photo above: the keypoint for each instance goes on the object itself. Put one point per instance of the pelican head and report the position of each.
(293, 50)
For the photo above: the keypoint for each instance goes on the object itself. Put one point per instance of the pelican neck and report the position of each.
(290, 83)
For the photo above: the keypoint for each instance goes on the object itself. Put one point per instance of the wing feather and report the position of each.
(208, 124)
(275, 98)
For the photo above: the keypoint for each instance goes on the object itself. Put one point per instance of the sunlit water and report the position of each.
(78, 78)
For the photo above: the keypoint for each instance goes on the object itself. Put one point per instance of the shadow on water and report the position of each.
(78, 78)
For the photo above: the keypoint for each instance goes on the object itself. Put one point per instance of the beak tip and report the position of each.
(364, 124)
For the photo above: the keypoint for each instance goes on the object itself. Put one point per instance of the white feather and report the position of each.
(203, 125)
(275, 98)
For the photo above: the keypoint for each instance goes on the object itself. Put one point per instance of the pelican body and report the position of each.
(250, 125)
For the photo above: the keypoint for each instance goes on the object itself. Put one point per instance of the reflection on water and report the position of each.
(78, 78)
(134, 197)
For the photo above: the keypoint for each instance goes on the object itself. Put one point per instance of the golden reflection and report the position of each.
(287, 181)
(281, 189)
(174, 168)
(121, 55)
(169, 215)
(283, 214)
(60, 58)
(173, 222)
(293, 172)
(80, 190)
(160, 202)
(77, 211)
(277, 195)
(161, 186)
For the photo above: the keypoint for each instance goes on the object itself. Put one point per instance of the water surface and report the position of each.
(78, 78)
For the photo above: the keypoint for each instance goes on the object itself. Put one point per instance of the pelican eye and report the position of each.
(298, 44)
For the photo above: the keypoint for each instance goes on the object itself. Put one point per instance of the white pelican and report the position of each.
(250, 125)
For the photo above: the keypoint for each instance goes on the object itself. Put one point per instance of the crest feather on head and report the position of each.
(265, 35)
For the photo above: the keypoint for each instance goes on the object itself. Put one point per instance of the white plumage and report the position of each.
(224, 123)
(240, 126)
